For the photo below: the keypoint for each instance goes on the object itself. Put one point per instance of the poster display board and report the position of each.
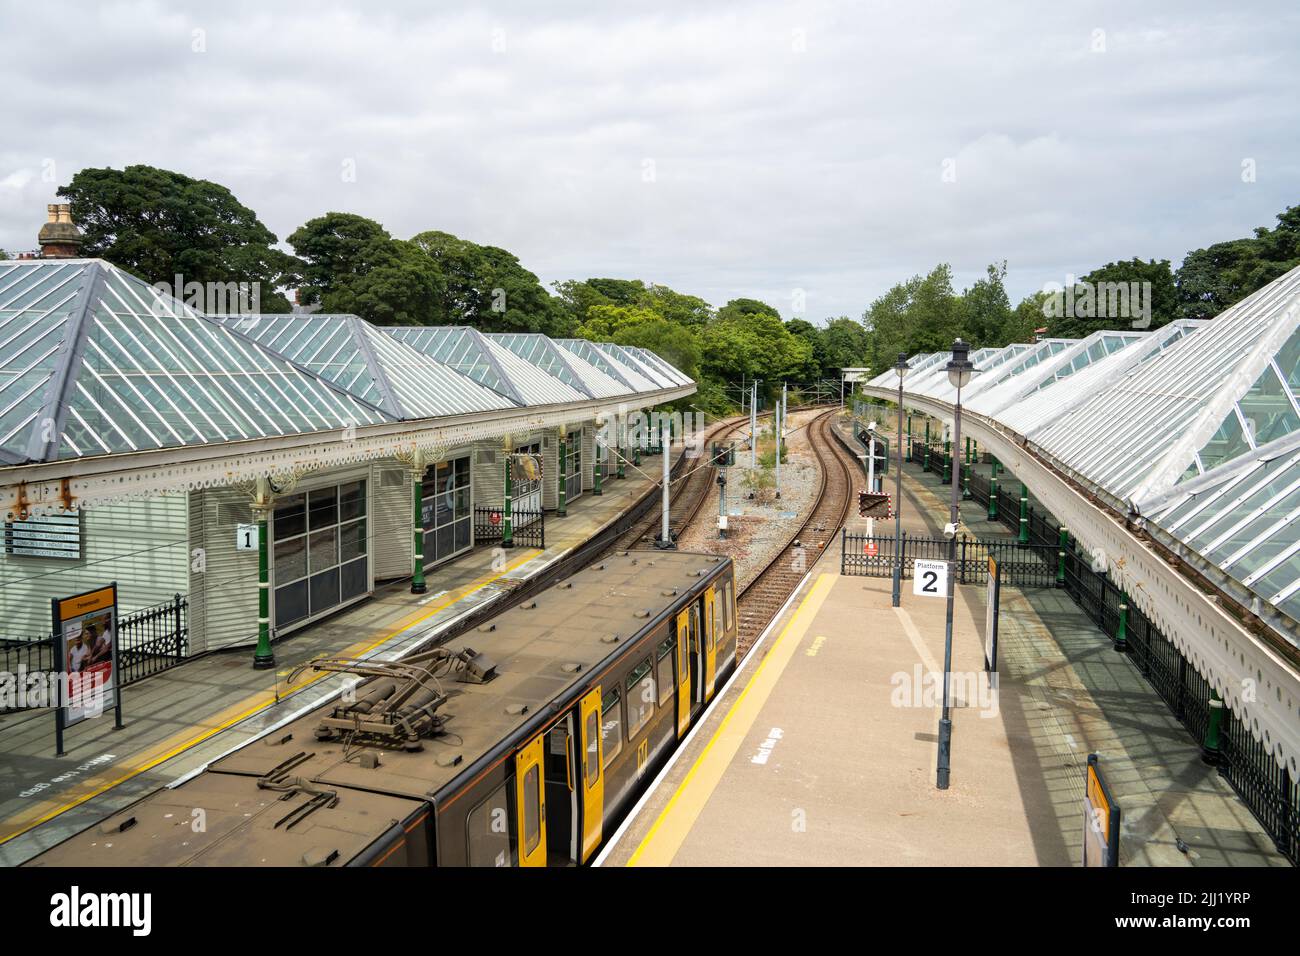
(84, 631)
(991, 616)
(1100, 819)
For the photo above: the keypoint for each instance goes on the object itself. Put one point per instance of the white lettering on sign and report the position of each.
(766, 747)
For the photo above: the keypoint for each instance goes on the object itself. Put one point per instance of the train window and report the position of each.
(591, 761)
(728, 608)
(640, 697)
(664, 668)
(532, 810)
(712, 626)
(491, 835)
(611, 725)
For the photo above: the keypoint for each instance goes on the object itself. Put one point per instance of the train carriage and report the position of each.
(522, 742)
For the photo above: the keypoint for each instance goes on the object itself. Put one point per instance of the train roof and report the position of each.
(544, 650)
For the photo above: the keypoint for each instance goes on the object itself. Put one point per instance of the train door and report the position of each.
(530, 802)
(563, 832)
(593, 773)
(710, 642)
(697, 653)
(683, 672)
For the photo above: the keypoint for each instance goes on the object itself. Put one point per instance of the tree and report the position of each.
(817, 355)
(351, 264)
(919, 315)
(159, 224)
(748, 339)
(1128, 294)
(846, 345)
(1211, 279)
(644, 328)
(986, 309)
(487, 288)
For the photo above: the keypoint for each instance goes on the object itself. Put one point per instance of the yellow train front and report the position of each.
(520, 743)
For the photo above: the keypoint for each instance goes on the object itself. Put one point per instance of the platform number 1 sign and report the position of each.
(246, 537)
(930, 578)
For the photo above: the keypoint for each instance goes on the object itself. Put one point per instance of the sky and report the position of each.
(807, 154)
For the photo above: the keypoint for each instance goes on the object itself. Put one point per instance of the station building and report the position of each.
(203, 459)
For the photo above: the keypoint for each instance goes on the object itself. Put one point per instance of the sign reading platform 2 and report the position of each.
(930, 578)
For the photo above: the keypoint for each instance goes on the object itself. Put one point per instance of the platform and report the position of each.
(822, 751)
(179, 720)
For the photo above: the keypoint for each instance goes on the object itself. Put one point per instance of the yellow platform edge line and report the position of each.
(262, 701)
(675, 821)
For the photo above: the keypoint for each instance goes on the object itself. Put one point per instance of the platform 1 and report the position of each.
(822, 750)
(179, 720)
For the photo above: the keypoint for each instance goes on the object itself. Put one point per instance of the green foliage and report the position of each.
(353, 265)
(3, 255)
(753, 344)
(1223, 274)
(645, 328)
(158, 224)
(1156, 300)
(986, 310)
(487, 287)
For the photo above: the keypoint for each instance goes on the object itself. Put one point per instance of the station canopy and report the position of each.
(568, 368)
(356, 356)
(620, 370)
(95, 361)
(1195, 426)
(489, 363)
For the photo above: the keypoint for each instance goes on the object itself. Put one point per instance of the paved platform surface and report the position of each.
(822, 750)
(180, 720)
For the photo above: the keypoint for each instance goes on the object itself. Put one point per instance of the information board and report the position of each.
(1100, 819)
(991, 616)
(86, 653)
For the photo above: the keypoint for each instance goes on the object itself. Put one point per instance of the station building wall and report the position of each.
(142, 544)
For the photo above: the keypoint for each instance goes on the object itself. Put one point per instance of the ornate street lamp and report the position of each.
(900, 369)
(959, 371)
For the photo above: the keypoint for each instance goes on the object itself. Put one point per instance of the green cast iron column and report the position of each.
(263, 657)
(1121, 632)
(947, 460)
(507, 524)
(1024, 514)
(417, 562)
(562, 507)
(598, 469)
(1062, 543)
(965, 479)
(927, 446)
(993, 492)
(1210, 750)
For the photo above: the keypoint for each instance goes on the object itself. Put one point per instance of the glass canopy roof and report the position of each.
(634, 380)
(489, 363)
(568, 368)
(356, 356)
(94, 361)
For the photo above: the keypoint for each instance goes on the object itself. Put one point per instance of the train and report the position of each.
(522, 742)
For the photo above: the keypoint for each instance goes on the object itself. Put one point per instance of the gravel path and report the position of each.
(757, 531)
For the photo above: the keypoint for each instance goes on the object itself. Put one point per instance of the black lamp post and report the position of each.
(900, 369)
(959, 372)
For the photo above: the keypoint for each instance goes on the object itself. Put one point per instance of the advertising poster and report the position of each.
(86, 645)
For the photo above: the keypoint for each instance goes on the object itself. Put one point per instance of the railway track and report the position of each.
(687, 492)
(760, 601)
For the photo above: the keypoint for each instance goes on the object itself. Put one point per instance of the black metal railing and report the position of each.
(1244, 762)
(149, 640)
(1022, 565)
(527, 528)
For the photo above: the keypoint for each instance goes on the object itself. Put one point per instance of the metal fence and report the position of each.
(527, 528)
(1022, 565)
(1244, 762)
(149, 640)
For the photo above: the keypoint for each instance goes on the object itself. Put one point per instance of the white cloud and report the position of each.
(793, 145)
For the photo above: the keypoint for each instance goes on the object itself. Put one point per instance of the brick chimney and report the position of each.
(59, 237)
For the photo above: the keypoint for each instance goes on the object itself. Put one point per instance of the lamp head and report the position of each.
(901, 367)
(959, 369)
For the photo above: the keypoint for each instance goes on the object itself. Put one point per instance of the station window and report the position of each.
(532, 809)
(640, 697)
(611, 725)
(320, 550)
(664, 668)
(445, 509)
(591, 760)
(491, 829)
(573, 466)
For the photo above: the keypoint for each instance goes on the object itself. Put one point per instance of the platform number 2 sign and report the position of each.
(930, 578)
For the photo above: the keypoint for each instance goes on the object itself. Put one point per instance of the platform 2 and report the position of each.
(822, 750)
(179, 720)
